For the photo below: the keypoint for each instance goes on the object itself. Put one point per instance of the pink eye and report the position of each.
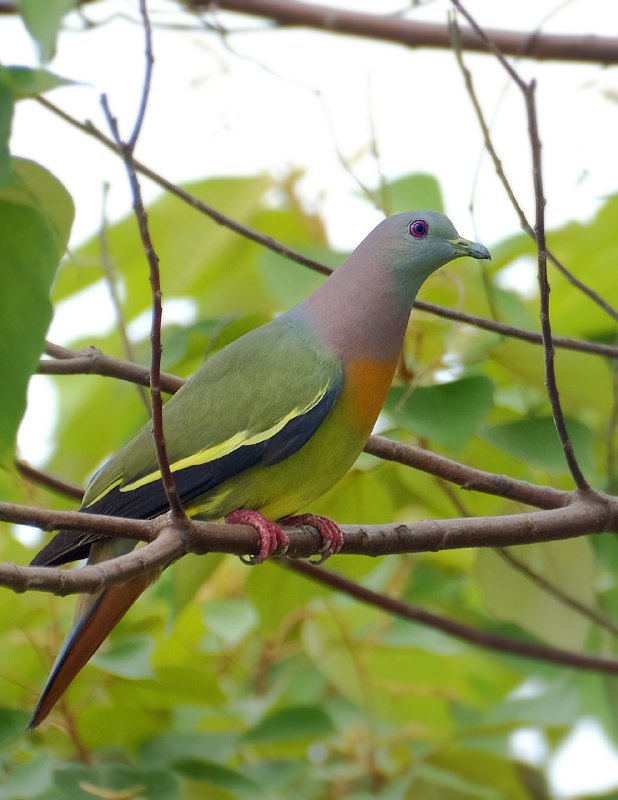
(419, 228)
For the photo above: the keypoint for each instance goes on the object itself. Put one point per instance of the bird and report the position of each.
(267, 424)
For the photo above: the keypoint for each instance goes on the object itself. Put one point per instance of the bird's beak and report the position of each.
(472, 249)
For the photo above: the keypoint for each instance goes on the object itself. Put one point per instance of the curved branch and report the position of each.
(591, 512)
(466, 477)
(479, 638)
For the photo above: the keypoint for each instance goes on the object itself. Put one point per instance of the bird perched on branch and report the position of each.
(268, 424)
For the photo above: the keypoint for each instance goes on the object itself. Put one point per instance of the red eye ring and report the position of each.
(419, 228)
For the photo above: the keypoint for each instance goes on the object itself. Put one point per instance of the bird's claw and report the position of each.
(332, 538)
(272, 538)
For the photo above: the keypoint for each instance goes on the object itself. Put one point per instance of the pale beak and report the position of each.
(472, 249)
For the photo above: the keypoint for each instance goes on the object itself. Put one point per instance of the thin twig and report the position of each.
(497, 162)
(528, 92)
(48, 481)
(149, 62)
(126, 149)
(566, 343)
(479, 638)
(548, 345)
(557, 593)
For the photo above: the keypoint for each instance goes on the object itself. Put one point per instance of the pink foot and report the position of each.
(332, 538)
(272, 538)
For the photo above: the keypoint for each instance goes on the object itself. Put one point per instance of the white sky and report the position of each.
(284, 98)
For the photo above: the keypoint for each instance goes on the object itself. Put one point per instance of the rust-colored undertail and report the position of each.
(89, 633)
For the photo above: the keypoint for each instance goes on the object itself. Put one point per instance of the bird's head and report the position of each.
(415, 244)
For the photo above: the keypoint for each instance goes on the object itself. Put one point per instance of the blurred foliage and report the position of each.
(231, 683)
(227, 682)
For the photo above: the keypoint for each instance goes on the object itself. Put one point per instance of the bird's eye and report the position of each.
(419, 228)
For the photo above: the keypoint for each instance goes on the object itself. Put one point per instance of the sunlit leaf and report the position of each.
(36, 214)
(43, 20)
(448, 413)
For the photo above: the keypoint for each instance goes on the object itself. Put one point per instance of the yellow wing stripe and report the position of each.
(105, 491)
(208, 454)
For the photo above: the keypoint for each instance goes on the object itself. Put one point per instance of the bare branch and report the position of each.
(558, 594)
(126, 149)
(48, 481)
(392, 28)
(528, 91)
(149, 59)
(466, 477)
(91, 361)
(523, 221)
(592, 512)
(548, 345)
(563, 342)
(479, 638)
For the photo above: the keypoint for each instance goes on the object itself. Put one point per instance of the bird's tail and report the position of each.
(95, 618)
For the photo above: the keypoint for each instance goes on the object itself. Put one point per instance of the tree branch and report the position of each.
(479, 638)
(497, 162)
(557, 593)
(593, 512)
(392, 28)
(48, 481)
(527, 91)
(127, 150)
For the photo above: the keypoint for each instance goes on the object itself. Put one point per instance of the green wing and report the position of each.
(256, 401)
(259, 399)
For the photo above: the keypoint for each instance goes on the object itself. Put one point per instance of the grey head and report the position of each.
(412, 245)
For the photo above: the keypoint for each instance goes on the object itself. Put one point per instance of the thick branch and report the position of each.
(590, 513)
(393, 28)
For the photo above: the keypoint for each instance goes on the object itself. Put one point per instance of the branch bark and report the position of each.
(479, 638)
(593, 512)
(394, 28)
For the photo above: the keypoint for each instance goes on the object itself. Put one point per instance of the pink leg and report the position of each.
(332, 538)
(272, 538)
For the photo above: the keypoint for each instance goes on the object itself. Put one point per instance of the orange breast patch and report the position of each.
(366, 385)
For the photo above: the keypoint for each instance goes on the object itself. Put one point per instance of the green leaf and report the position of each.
(7, 107)
(43, 18)
(36, 214)
(447, 413)
(26, 82)
(173, 747)
(129, 658)
(230, 620)
(293, 722)
(12, 725)
(535, 441)
(414, 191)
(512, 597)
(221, 777)
(81, 782)
(28, 779)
